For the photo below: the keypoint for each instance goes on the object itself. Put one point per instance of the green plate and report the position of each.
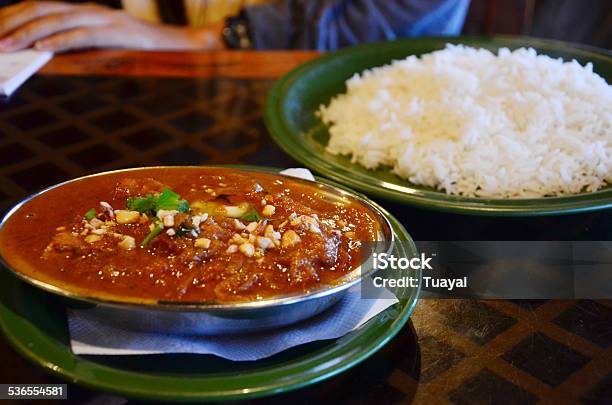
(34, 322)
(289, 116)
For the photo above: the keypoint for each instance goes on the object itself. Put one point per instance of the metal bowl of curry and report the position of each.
(194, 250)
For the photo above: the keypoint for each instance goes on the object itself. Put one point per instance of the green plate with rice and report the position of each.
(291, 118)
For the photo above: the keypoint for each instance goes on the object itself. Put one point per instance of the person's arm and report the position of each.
(59, 26)
(331, 24)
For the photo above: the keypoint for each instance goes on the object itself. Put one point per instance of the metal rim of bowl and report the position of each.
(171, 306)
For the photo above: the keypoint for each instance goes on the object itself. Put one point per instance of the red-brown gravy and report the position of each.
(186, 234)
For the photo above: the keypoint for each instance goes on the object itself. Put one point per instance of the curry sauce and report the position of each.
(186, 234)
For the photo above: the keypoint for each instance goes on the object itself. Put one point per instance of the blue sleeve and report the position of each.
(331, 24)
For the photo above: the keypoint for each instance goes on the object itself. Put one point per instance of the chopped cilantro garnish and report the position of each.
(150, 204)
(183, 206)
(157, 229)
(169, 200)
(144, 205)
(252, 216)
(91, 214)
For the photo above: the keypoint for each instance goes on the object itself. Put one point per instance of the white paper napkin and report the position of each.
(17, 67)
(89, 336)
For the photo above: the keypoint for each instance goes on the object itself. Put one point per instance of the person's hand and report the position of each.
(58, 26)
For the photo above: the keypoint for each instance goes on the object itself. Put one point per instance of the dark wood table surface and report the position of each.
(93, 111)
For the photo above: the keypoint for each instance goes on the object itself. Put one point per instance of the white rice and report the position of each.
(466, 121)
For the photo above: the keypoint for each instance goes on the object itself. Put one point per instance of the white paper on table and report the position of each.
(89, 336)
(17, 67)
(299, 172)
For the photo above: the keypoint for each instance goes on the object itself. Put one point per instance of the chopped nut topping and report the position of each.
(239, 225)
(127, 243)
(305, 223)
(203, 243)
(247, 249)
(232, 249)
(268, 210)
(236, 211)
(127, 217)
(163, 213)
(238, 239)
(167, 217)
(251, 227)
(270, 233)
(264, 243)
(293, 219)
(95, 223)
(107, 209)
(311, 223)
(290, 238)
(196, 220)
(168, 221)
(171, 232)
(92, 238)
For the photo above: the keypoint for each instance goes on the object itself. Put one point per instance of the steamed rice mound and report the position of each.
(472, 123)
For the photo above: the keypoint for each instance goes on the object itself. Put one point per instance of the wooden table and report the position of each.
(234, 64)
(100, 110)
